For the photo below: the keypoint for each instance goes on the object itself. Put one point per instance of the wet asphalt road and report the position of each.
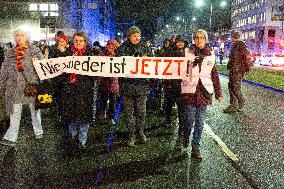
(255, 136)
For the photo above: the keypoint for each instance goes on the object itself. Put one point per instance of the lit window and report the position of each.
(264, 16)
(53, 7)
(53, 14)
(45, 14)
(43, 7)
(33, 7)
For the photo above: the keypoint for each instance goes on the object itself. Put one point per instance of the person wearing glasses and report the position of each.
(197, 92)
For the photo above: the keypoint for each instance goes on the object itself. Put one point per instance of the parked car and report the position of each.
(271, 59)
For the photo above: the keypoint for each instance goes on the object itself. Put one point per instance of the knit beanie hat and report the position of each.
(235, 34)
(96, 43)
(133, 30)
(202, 32)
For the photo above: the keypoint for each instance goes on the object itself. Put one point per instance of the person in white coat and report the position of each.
(197, 90)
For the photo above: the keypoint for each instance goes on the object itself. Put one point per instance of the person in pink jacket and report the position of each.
(109, 85)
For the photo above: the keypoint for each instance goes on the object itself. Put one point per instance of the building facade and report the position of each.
(43, 18)
(261, 23)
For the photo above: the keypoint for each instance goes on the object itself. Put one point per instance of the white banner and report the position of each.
(104, 66)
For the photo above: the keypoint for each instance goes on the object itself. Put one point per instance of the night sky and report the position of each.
(146, 12)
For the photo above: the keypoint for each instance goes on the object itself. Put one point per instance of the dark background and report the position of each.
(146, 12)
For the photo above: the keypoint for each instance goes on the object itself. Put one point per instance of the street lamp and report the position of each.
(200, 3)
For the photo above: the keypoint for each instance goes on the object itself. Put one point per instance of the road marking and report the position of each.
(220, 143)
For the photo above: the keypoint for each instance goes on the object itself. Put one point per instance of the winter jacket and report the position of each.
(173, 86)
(204, 79)
(14, 81)
(238, 57)
(55, 53)
(108, 84)
(131, 86)
(77, 99)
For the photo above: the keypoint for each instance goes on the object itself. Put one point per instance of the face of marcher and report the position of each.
(180, 44)
(111, 49)
(62, 43)
(167, 43)
(135, 38)
(79, 42)
(200, 40)
(234, 40)
(21, 39)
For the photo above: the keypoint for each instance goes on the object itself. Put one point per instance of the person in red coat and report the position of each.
(109, 86)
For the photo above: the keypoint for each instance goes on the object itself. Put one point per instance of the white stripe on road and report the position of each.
(220, 143)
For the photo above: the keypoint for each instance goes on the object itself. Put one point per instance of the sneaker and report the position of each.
(39, 136)
(195, 154)
(229, 109)
(142, 137)
(5, 142)
(131, 141)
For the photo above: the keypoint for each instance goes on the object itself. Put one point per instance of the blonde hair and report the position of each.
(19, 31)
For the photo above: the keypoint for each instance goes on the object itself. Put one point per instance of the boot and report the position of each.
(131, 141)
(142, 137)
(229, 109)
(195, 154)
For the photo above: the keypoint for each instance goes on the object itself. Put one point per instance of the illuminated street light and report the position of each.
(199, 3)
(223, 4)
(167, 26)
(177, 18)
(194, 19)
(118, 33)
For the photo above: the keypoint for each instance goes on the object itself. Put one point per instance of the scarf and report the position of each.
(20, 53)
(76, 52)
(200, 53)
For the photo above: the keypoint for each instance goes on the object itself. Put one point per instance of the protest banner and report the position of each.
(127, 66)
(103, 66)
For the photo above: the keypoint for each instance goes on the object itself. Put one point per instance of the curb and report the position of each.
(257, 84)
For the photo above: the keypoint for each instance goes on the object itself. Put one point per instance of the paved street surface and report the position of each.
(255, 136)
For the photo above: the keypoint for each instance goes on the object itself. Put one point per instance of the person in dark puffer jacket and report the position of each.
(239, 59)
(134, 91)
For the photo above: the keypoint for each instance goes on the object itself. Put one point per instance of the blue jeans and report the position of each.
(83, 131)
(192, 114)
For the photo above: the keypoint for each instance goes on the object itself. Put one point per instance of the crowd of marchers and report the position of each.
(81, 99)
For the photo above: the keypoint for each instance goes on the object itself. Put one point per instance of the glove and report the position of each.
(198, 60)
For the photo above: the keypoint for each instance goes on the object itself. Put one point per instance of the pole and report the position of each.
(210, 18)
